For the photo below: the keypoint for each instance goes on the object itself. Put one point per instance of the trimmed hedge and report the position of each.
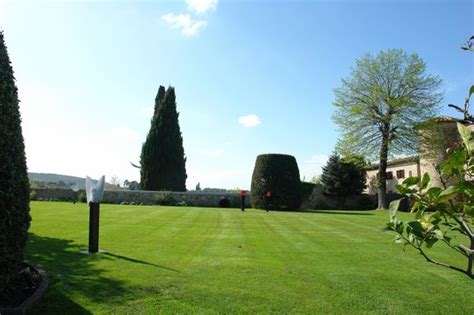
(14, 186)
(279, 174)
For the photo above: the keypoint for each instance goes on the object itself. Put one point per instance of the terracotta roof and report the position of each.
(406, 160)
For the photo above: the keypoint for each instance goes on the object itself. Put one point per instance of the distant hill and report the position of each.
(62, 180)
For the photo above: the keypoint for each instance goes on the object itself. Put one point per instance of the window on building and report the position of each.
(401, 174)
(410, 174)
(389, 175)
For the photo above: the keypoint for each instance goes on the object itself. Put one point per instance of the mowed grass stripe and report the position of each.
(209, 261)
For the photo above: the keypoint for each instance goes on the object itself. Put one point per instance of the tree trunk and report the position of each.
(382, 175)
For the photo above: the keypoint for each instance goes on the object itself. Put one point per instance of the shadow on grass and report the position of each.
(71, 274)
(344, 212)
(138, 261)
(348, 212)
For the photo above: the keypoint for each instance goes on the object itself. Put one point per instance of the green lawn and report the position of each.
(202, 260)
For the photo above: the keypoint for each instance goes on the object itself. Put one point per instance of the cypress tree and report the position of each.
(14, 186)
(158, 99)
(162, 159)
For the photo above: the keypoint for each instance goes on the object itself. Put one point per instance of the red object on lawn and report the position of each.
(243, 193)
(269, 194)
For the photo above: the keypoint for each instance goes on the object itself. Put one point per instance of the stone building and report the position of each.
(433, 146)
(397, 171)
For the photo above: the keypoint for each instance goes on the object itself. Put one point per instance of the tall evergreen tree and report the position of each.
(343, 177)
(162, 159)
(330, 178)
(158, 99)
(14, 186)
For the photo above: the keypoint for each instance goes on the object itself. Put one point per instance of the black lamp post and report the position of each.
(95, 192)
(94, 214)
(242, 195)
(268, 196)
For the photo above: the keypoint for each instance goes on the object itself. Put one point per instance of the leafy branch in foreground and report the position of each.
(441, 213)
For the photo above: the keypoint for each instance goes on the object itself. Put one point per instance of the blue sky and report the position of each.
(251, 77)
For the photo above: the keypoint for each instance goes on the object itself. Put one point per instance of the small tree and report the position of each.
(380, 105)
(441, 212)
(343, 177)
(115, 180)
(162, 159)
(14, 187)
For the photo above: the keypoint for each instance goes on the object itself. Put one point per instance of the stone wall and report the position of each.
(317, 200)
(198, 199)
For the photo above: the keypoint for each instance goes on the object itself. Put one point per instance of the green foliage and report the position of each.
(133, 185)
(162, 159)
(224, 202)
(166, 199)
(33, 195)
(46, 180)
(441, 212)
(343, 177)
(380, 105)
(316, 179)
(82, 197)
(365, 106)
(307, 189)
(14, 187)
(279, 174)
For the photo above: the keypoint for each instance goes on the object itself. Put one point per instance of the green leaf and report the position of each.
(416, 228)
(410, 181)
(465, 187)
(393, 208)
(438, 234)
(425, 181)
(447, 194)
(403, 190)
(419, 213)
(471, 90)
(433, 192)
(465, 135)
(415, 207)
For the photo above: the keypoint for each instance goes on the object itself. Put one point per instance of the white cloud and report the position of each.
(313, 166)
(201, 6)
(212, 152)
(184, 23)
(249, 121)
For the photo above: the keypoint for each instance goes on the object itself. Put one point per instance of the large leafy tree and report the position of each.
(162, 159)
(380, 106)
(14, 187)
